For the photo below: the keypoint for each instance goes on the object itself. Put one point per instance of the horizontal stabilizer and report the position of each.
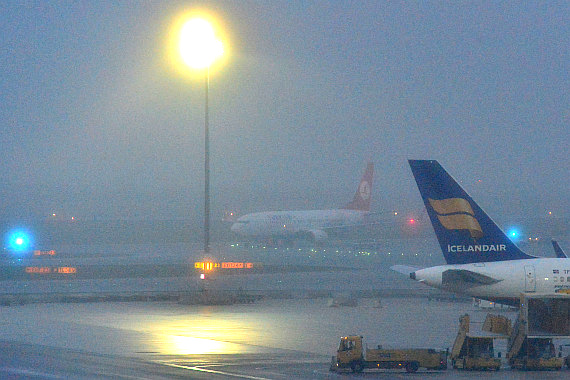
(465, 278)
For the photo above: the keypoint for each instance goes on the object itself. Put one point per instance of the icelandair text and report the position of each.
(477, 248)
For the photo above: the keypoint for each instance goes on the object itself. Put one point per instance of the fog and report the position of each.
(97, 125)
(102, 140)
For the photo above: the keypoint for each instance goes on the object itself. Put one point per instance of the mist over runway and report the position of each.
(112, 154)
(269, 339)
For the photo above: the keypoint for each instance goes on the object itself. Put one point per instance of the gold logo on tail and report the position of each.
(456, 214)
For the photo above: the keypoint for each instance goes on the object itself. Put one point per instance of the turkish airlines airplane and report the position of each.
(482, 261)
(312, 223)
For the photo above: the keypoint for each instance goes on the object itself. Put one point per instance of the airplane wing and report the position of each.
(465, 278)
(321, 233)
(404, 269)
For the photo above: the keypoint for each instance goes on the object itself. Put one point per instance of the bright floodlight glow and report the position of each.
(19, 240)
(199, 47)
(186, 345)
(513, 233)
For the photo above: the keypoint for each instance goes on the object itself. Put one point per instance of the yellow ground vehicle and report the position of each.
(536, 354)
(542, 318)
(565, 353)
(473, 352)
(351, 355)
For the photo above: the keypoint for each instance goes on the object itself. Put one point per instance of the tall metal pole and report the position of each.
(207, 167)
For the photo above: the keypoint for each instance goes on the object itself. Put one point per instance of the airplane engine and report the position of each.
(318, 235)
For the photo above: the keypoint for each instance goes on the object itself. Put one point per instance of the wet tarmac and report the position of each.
(271, 339)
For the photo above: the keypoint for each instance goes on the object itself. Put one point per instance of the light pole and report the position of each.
(206, 163)
(199, 48)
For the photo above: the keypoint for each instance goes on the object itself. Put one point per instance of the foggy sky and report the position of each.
(96, 125)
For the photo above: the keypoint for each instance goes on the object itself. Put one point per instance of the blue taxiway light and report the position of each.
(513, 233)
(19, 241)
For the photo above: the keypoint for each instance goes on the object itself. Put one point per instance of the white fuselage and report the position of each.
(541, 275)
(288, 223)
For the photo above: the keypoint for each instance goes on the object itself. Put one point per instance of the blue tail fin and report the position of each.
(465, 232)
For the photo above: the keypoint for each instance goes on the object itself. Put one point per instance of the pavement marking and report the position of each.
(27, 372)
(215, 372)
(110, 375)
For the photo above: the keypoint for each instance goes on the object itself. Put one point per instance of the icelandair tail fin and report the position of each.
(361, 199)
(558, 250)
(465, 232)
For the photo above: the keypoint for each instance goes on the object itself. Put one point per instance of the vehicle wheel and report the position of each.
(356, 367)
(412, 367)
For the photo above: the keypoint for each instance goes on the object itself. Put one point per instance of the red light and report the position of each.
(411, 221)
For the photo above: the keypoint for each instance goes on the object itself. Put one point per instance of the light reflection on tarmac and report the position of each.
(272, 339)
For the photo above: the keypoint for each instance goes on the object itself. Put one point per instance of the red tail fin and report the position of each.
(362, 197)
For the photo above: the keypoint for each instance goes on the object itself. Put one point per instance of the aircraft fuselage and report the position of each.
(289, 223)
(507, 279)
